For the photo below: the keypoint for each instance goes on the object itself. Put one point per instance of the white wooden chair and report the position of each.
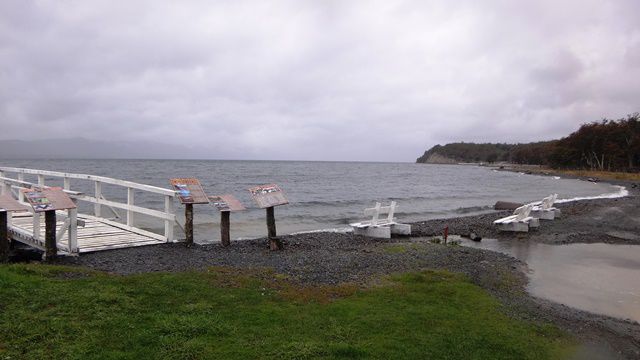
(545, 210)
(520, 221)
(381, 228)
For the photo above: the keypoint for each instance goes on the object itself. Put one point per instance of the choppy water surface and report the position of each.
(600, 278)
(323, 195)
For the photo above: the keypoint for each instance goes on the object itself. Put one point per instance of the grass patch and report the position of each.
(221, 313)
(401, 248)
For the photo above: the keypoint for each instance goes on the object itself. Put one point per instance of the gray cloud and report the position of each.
(331, 80)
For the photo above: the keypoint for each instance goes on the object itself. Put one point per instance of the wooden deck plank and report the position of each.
(95, 235)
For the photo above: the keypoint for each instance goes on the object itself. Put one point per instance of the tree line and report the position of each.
(611, 145)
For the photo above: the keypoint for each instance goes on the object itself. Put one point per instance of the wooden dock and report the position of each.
(78, 233)
(94, 234)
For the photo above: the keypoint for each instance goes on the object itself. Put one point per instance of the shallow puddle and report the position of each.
(599, 278)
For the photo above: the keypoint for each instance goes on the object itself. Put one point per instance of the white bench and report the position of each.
(381, 228)
(545, 210)
(520, 221)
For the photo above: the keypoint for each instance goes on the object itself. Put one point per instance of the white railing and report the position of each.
(9, 184)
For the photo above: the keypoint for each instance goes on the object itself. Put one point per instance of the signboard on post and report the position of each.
(226, 202)
(8, 203)
(189, 191)
(267, 196)
(48, 199)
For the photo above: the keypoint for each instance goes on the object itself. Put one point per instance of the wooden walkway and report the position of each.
(78, 233)
(94, 234)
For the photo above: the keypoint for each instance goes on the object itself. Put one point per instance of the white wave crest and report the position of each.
(330, 230)
(622, 192)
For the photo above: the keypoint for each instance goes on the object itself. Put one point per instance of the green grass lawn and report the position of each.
(49, 312)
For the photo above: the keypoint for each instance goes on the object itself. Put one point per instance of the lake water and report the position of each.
(322, 195)
(600, 278)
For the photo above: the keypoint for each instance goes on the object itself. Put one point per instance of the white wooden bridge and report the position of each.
(78, 233)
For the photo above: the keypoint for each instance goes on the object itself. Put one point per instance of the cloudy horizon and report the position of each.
(331, 80)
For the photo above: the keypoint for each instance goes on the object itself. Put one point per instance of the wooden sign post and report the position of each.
(4, 237)
(48, 200)
(226, 204)
(189, 192)
(267, 197)
(7, 204)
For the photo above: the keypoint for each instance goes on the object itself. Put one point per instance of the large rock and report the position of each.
(505, 205)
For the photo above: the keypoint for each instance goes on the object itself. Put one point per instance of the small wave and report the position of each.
(622, 192)
(472, 209)
(344, 219)
(313, 203)
(331, 230)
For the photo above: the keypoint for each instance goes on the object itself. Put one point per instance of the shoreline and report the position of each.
(333, 258)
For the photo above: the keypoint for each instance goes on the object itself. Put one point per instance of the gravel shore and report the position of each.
(332, 258)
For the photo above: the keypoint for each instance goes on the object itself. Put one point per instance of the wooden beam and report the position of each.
(188, 224)
(97, 210)
(106, 180)
(20, 193)
(6, 188)
(225, 225)
(51, 248)
(134, 208)
(4, 237)
(168, 223)
(130, 202)
(73, 230)
(274, 242)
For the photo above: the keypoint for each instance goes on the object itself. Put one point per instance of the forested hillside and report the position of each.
(603, 145)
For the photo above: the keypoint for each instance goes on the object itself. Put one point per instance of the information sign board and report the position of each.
(48, 199)
(226, 202)
(189, 191)
(8, 203)
(268, 195)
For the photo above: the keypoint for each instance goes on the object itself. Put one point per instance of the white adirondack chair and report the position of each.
(545, 210)
(381, 228)
(520, 221)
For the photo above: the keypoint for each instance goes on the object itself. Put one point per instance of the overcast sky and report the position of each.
(316, 80)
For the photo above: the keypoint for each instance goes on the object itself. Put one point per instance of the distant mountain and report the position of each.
(81, 148)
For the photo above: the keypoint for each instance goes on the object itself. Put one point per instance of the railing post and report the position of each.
(36, 216)
(20, 194)
(5, 188)
(98, 195)
(168, 223)
(130, 202)
(36, 225)
(67, 183)
(73, 230)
